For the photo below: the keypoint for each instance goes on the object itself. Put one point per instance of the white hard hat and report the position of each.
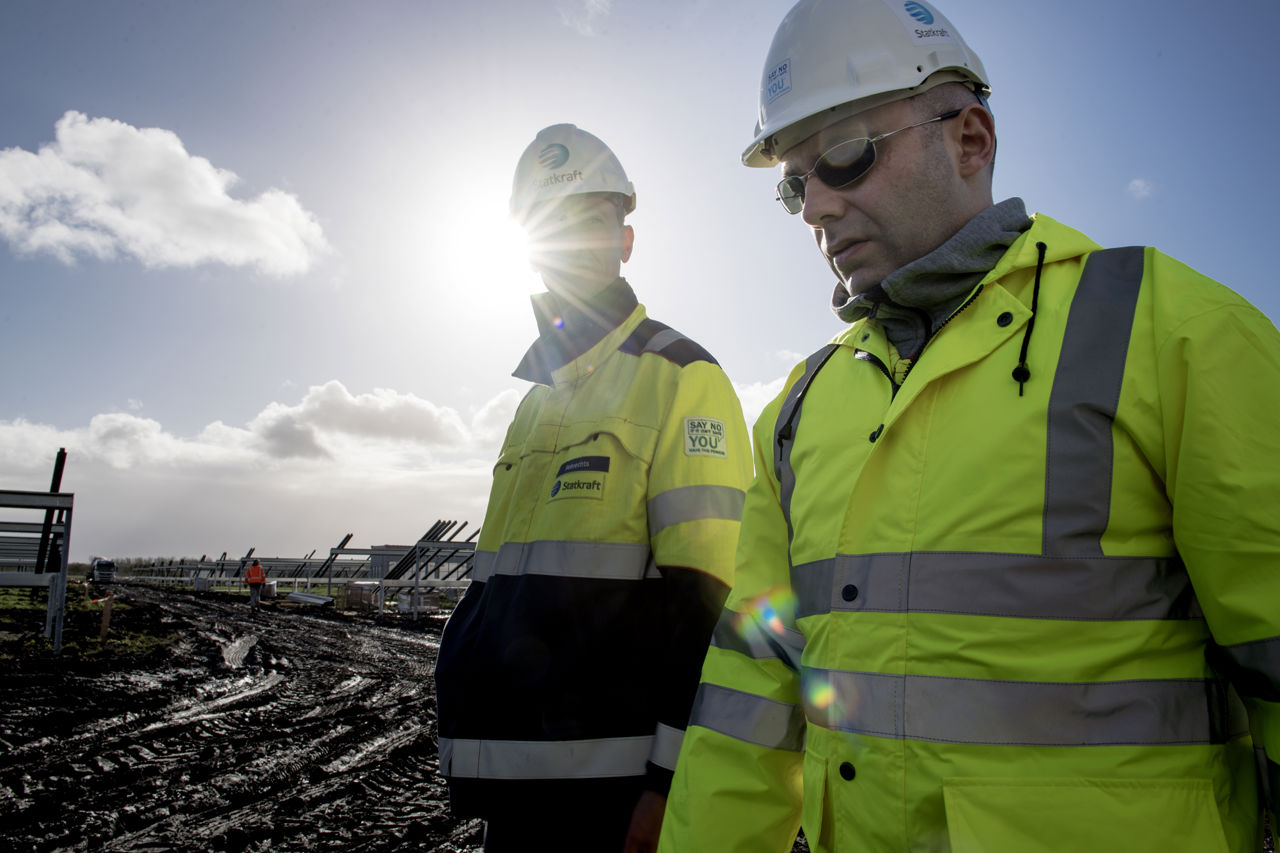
(831, 59)
(562, 161)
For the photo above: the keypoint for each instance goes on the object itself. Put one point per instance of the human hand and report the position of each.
(646, 824)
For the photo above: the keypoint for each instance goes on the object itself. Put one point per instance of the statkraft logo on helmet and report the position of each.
(549, 170)
(558, 178)
(553, 156)
(915, 12)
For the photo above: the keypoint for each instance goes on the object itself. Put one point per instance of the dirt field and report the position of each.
(199, 725)
(282, 730)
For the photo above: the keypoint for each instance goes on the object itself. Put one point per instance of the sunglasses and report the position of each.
(841, 165)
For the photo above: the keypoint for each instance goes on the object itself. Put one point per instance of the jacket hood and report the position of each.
(1061, 241)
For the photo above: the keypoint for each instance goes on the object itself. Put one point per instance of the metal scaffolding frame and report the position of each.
(36, 552)
(438, 560)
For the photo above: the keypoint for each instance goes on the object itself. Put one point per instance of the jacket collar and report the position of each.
(1062, 241)
(568, 328)
(913, 301)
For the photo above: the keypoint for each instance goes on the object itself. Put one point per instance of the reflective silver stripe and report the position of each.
(568, 559)
(537, 759)
(482, 566)
(1027, 586)
(1083, 402)
(746, 635)
(692, 503)
(1024, 713)
(784, 433)
(749, 718)
(666, 746)
(1258, 672)
(662, 340)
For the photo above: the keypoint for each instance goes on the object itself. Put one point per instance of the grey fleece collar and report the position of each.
(914, 300)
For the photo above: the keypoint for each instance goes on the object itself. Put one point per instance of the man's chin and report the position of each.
(855, 283)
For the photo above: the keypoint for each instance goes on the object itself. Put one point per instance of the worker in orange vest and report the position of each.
(254, 576)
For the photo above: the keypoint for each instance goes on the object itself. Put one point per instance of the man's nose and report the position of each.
(820, 202)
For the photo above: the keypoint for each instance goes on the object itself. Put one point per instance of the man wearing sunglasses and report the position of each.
(1009, 574)
(566, 673)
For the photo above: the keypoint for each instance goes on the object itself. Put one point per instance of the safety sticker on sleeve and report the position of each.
(705, 437)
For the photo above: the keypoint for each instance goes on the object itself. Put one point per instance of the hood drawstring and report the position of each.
(1021, 373)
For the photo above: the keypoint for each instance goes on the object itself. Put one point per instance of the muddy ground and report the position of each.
(287, 729)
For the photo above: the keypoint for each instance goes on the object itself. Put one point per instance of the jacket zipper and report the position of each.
(956, 313)
(864, 355)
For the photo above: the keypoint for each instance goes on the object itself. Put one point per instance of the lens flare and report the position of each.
(766, 626)
(820, 694)
(775, 610)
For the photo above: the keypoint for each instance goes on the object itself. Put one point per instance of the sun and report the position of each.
(478, 239)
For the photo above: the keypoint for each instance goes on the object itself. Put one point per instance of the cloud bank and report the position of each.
(383, 465)
(341, 431)
(104, 189)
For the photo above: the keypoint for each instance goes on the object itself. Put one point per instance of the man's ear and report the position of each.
(977, 140)
(628, 242)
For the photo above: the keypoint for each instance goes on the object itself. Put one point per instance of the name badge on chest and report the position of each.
(583, 477)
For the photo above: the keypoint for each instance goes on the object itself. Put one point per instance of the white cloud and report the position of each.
(756, 395)
(583, 15)
(490, 422)
(104, 188)
(382, 464)
(1141, 188)
(331, 410)
(297, 476)
(330, 423)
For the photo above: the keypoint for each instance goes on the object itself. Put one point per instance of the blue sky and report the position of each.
(258, 277)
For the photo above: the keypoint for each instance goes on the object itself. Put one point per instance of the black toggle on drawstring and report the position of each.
(1021, 373)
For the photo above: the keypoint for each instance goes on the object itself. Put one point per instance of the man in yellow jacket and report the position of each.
(1009, 576)
(567, 671)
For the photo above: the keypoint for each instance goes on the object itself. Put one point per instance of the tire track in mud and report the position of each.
(280, 730)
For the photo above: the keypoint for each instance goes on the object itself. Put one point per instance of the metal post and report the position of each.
(55, 485)
(417, 578)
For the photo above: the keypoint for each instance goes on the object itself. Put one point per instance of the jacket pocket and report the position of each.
(595, 487)
(815, 812)
(1091, 815)
(637, 440)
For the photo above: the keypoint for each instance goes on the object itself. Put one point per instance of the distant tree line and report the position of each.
(132, 562)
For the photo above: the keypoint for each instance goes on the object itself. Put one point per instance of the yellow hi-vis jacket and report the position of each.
(977, 614)
(603, 563)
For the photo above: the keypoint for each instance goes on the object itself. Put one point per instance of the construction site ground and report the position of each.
(200, 725)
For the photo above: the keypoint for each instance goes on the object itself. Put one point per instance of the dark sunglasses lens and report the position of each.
(845, 163)
(791, 193)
